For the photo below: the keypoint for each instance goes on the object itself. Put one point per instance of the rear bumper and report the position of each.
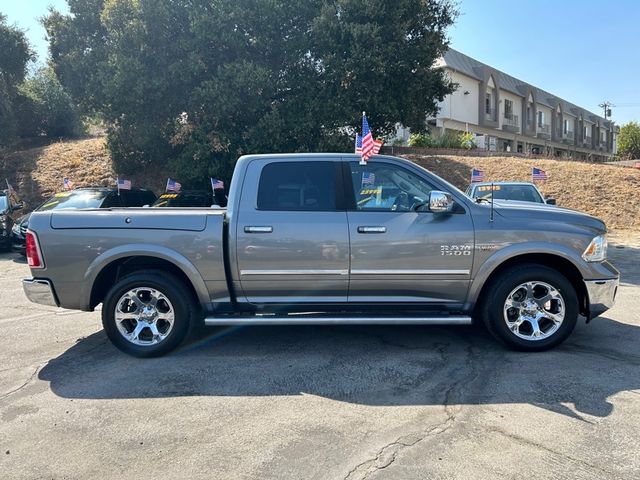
(39, 291)
(602, 295)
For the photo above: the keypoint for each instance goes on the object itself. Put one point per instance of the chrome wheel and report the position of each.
(534, 310)
(144, 316)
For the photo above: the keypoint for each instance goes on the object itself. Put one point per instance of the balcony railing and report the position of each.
(511, 120)
(544, 130)
(567, 136)
(586, 140)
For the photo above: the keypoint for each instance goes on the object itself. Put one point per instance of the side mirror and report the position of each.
(550, 201)
(440, 202)
(17, 206)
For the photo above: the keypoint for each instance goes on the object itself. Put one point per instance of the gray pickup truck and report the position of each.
(321, 239)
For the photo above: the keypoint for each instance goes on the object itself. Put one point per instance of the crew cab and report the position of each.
(323, 239)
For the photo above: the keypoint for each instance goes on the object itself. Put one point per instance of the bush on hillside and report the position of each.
(45, 107)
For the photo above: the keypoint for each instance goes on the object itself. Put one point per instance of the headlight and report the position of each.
(597, 249)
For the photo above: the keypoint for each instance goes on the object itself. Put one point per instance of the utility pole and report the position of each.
(606, 107)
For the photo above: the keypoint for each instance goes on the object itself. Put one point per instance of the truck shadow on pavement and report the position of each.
(376, 365)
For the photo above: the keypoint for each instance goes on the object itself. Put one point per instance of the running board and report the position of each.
(334, 320)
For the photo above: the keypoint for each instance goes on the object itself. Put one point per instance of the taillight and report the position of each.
(34, 258)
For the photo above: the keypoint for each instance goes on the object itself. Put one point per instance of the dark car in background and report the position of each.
(89, 197)
(517, 191)
(192, 198)
(7, 207)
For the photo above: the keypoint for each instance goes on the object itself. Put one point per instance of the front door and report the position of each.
(398, 254)
(292, 236)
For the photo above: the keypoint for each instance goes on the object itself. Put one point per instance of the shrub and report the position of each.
(421, 140)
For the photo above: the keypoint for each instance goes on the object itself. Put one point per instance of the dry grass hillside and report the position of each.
(609, 192)
(37, 172)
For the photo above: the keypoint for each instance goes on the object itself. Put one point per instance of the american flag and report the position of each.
(173, 185)
(124, 184)
(538, 174)
(370, 146)
(358, 144)
(477, 175)
(67, 184)
(368, 179)
(217, 184)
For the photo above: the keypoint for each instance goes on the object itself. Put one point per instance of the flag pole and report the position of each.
(118, 184)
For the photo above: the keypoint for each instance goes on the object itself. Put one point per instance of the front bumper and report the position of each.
(602, 295)
(39, 291)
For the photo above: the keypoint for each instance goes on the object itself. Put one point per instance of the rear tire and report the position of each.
(530, 308)
(148, 313)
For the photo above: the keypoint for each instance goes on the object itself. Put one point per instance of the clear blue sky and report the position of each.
(581, 50)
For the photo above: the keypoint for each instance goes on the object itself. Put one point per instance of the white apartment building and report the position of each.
(508, 114)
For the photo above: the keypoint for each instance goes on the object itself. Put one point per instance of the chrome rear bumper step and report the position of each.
(334, 320)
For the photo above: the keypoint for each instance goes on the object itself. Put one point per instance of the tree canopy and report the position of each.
(629, 140)
(196, 83)
(15, 55)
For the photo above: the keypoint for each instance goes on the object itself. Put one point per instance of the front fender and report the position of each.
(142, 250)
(499, 257)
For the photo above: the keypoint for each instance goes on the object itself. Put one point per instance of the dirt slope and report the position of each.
(609, 192)
(37, 172)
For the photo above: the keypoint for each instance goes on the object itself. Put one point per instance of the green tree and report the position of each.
(629, 140)
(196, 83)
(15, 54)
(45, 107)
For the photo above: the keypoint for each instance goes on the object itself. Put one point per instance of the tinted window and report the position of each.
(75, 199)
(3, 203)
(304, 186)
(384, 187)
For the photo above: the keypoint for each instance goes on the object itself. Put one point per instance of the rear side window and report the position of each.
(298, 186)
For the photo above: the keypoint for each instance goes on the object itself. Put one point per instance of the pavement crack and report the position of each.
(27, 382)
(534, 444)
(387, 455)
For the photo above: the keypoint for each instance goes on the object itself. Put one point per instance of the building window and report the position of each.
(565, 126)
(540, 118)
(529, 119)
(508, 109)
(586, 132)
(487, 103)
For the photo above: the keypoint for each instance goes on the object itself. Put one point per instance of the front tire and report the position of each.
(530, 308)
(148, 313)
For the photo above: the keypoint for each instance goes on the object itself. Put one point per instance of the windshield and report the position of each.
(523, 193)
(3, 203)
(76, 199)
(184, 199)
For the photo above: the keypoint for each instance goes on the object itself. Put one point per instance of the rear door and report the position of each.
(292, 236)
(398, 254)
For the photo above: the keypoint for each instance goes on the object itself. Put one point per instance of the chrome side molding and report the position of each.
(334, 320)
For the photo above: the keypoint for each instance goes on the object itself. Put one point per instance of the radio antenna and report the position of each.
(491, 214)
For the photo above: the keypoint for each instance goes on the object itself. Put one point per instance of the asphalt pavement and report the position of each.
(318, 402)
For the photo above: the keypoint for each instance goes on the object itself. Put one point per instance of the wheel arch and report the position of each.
(555, 262)
(108, 268)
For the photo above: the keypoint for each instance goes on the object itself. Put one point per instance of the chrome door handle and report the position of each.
(258, 229)
(372, 229)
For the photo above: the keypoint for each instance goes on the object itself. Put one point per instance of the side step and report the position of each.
(334, 320)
